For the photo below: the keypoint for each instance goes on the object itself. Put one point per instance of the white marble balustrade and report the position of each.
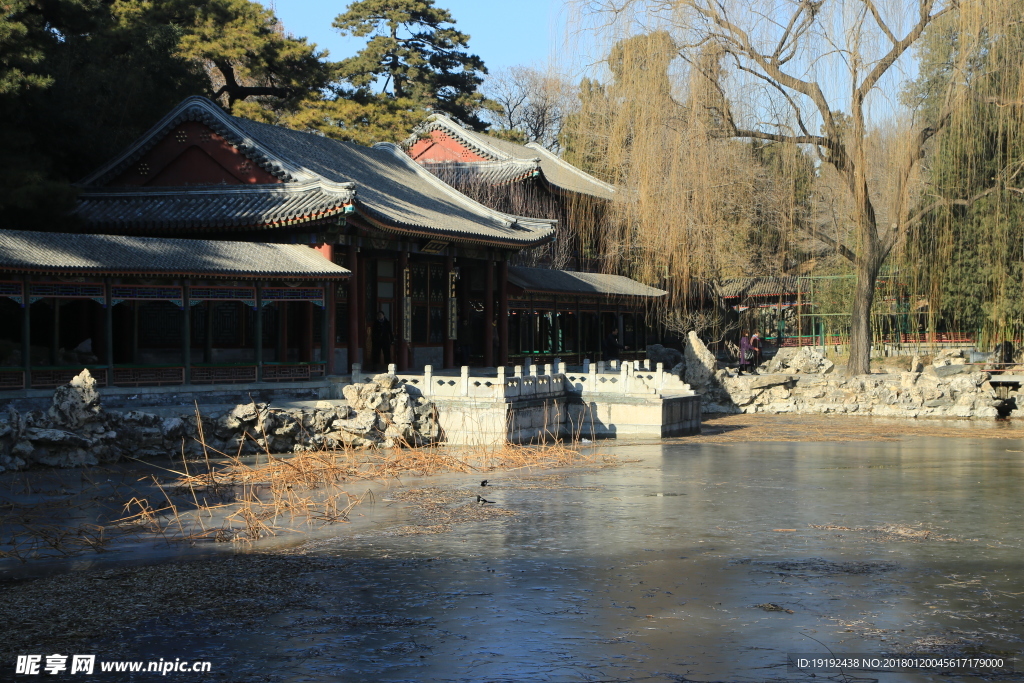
(629, 378)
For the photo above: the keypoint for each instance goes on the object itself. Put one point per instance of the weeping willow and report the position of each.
(581, 218)
(968, 257)
(762, 137)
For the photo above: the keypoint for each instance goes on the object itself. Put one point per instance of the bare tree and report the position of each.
(809, 73)
(533, 102)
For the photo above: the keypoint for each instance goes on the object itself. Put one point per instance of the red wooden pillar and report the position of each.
(466, 341)
(353, 307)
(328, 337)
(404, 312)
(450, 316)
(503, 313)
(489, 315)
(327, 317)
(359, 311)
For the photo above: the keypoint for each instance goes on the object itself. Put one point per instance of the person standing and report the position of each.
(755, 352)
(610, 345)
(745, 352)
(382, 338)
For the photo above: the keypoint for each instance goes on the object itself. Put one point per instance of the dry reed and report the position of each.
(235, 498)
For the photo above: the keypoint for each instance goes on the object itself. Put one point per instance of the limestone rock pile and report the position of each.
(76, 431)
(803, 381)
(384, 413)
(798, 361)
(909, 394)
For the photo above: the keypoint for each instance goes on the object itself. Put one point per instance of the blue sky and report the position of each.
(503, 34)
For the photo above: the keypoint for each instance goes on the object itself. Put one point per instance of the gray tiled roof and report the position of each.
(25, 251)
(221, 206)
(560, 174)
(744, 287)
(391, 190)
(394, 189)
(572, 282)
(460, 173)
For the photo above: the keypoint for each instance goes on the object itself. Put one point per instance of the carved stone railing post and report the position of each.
(464, 384)
(428, 380)
(500, 389)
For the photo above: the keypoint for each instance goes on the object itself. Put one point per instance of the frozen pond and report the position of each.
(704, 562)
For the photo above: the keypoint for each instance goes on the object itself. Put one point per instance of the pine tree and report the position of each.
(250, 54)
(79, 79)
(414, 53)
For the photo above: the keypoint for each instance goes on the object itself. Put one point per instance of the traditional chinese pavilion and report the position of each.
(567, 314)
(217, 249)
(150, 311)
(559, 309)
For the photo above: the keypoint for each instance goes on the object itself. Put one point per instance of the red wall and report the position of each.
(442, 147)
(192, 154)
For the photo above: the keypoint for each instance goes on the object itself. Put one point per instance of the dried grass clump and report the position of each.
(231, 498)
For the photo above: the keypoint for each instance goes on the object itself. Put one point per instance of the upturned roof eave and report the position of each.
(430, 232)
(569, 168)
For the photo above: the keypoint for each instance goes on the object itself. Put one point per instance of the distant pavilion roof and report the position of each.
(571, 282)
(320, 178)
(744, 287)
(510, 161)
(119, 255)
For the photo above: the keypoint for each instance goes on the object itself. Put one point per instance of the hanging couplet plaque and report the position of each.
(406, 306)
(453, 308)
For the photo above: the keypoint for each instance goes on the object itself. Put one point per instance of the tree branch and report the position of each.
(898, 48)
(878, 20)
(919, 216)
(843, 250)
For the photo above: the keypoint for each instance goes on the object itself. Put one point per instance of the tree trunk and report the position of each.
(860, 317)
